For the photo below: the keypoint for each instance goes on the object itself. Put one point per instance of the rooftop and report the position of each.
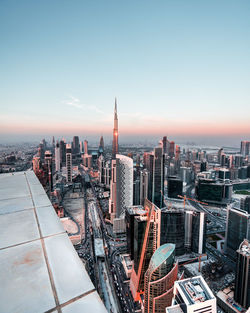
(245, 248)
(161, 255)
(40, 269)
(137, 209)
(174, 309)
(194, 290)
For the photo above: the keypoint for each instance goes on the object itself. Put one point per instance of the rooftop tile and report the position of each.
(48, 221)
(25, 285)
(70, 276)
(14, 205)
(91, 303)
(17, 228)
(27, 272)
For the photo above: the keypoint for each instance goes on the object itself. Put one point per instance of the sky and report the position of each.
(177, 68)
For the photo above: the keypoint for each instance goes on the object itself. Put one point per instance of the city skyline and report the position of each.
(176, 70)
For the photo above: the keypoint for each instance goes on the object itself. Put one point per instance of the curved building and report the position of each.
(159, 279)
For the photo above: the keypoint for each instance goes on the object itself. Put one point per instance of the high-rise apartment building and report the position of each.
(237, 229)
(69, 162)
(107, 174)
(36, 164)
(158, 177)
(115, 147)
(49, 168)
(159, 279)
(245, 148)
(242, 279)
(101, 165)
(121, 189)
(57, 157)
(192, 295)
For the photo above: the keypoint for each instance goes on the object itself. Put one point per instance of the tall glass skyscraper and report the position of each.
(237, 229)
(172, 229)
(121, 189)
(158, 177)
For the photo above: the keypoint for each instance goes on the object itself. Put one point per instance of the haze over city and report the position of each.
(176, 67)
(125, 156)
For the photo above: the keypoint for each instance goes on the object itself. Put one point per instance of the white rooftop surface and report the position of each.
(40, 270)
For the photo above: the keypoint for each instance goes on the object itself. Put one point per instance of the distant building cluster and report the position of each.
(179, 213)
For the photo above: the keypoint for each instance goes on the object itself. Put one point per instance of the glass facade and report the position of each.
(238, 228)
(172, 229)
(158, 177)
(174, 187)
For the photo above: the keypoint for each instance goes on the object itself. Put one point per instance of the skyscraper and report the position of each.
(245, 148)
(62, 152)
(237, 229)
(130, 215)
(199, 223)
(48, 163)
(171, 149)
(101, 145)
(69, 162)
(144, 181)
(76, 145)
(164, 144)
(57, 157)
(242, 279)
(85, 146)
(195, 231)
(175, 186)
(121, 189)
(148, 159)
(115, 133)
(158, 177)
(101, 164)
(159, 279)
(146, 241)
(172, 229)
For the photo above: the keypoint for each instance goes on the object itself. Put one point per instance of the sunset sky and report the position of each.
(177, 68)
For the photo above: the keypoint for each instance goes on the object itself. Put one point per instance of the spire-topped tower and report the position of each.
(115, 133)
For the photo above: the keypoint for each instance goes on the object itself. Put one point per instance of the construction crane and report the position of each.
(185, 198)
(199, 258)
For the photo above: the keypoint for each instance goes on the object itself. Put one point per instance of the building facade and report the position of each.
(242, 279)
(159, 279)
(121, 189)
(69, 163)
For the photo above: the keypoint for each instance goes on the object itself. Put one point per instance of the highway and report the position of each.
(122, 291)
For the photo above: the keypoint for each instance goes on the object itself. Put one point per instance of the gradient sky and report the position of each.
(177, 68)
